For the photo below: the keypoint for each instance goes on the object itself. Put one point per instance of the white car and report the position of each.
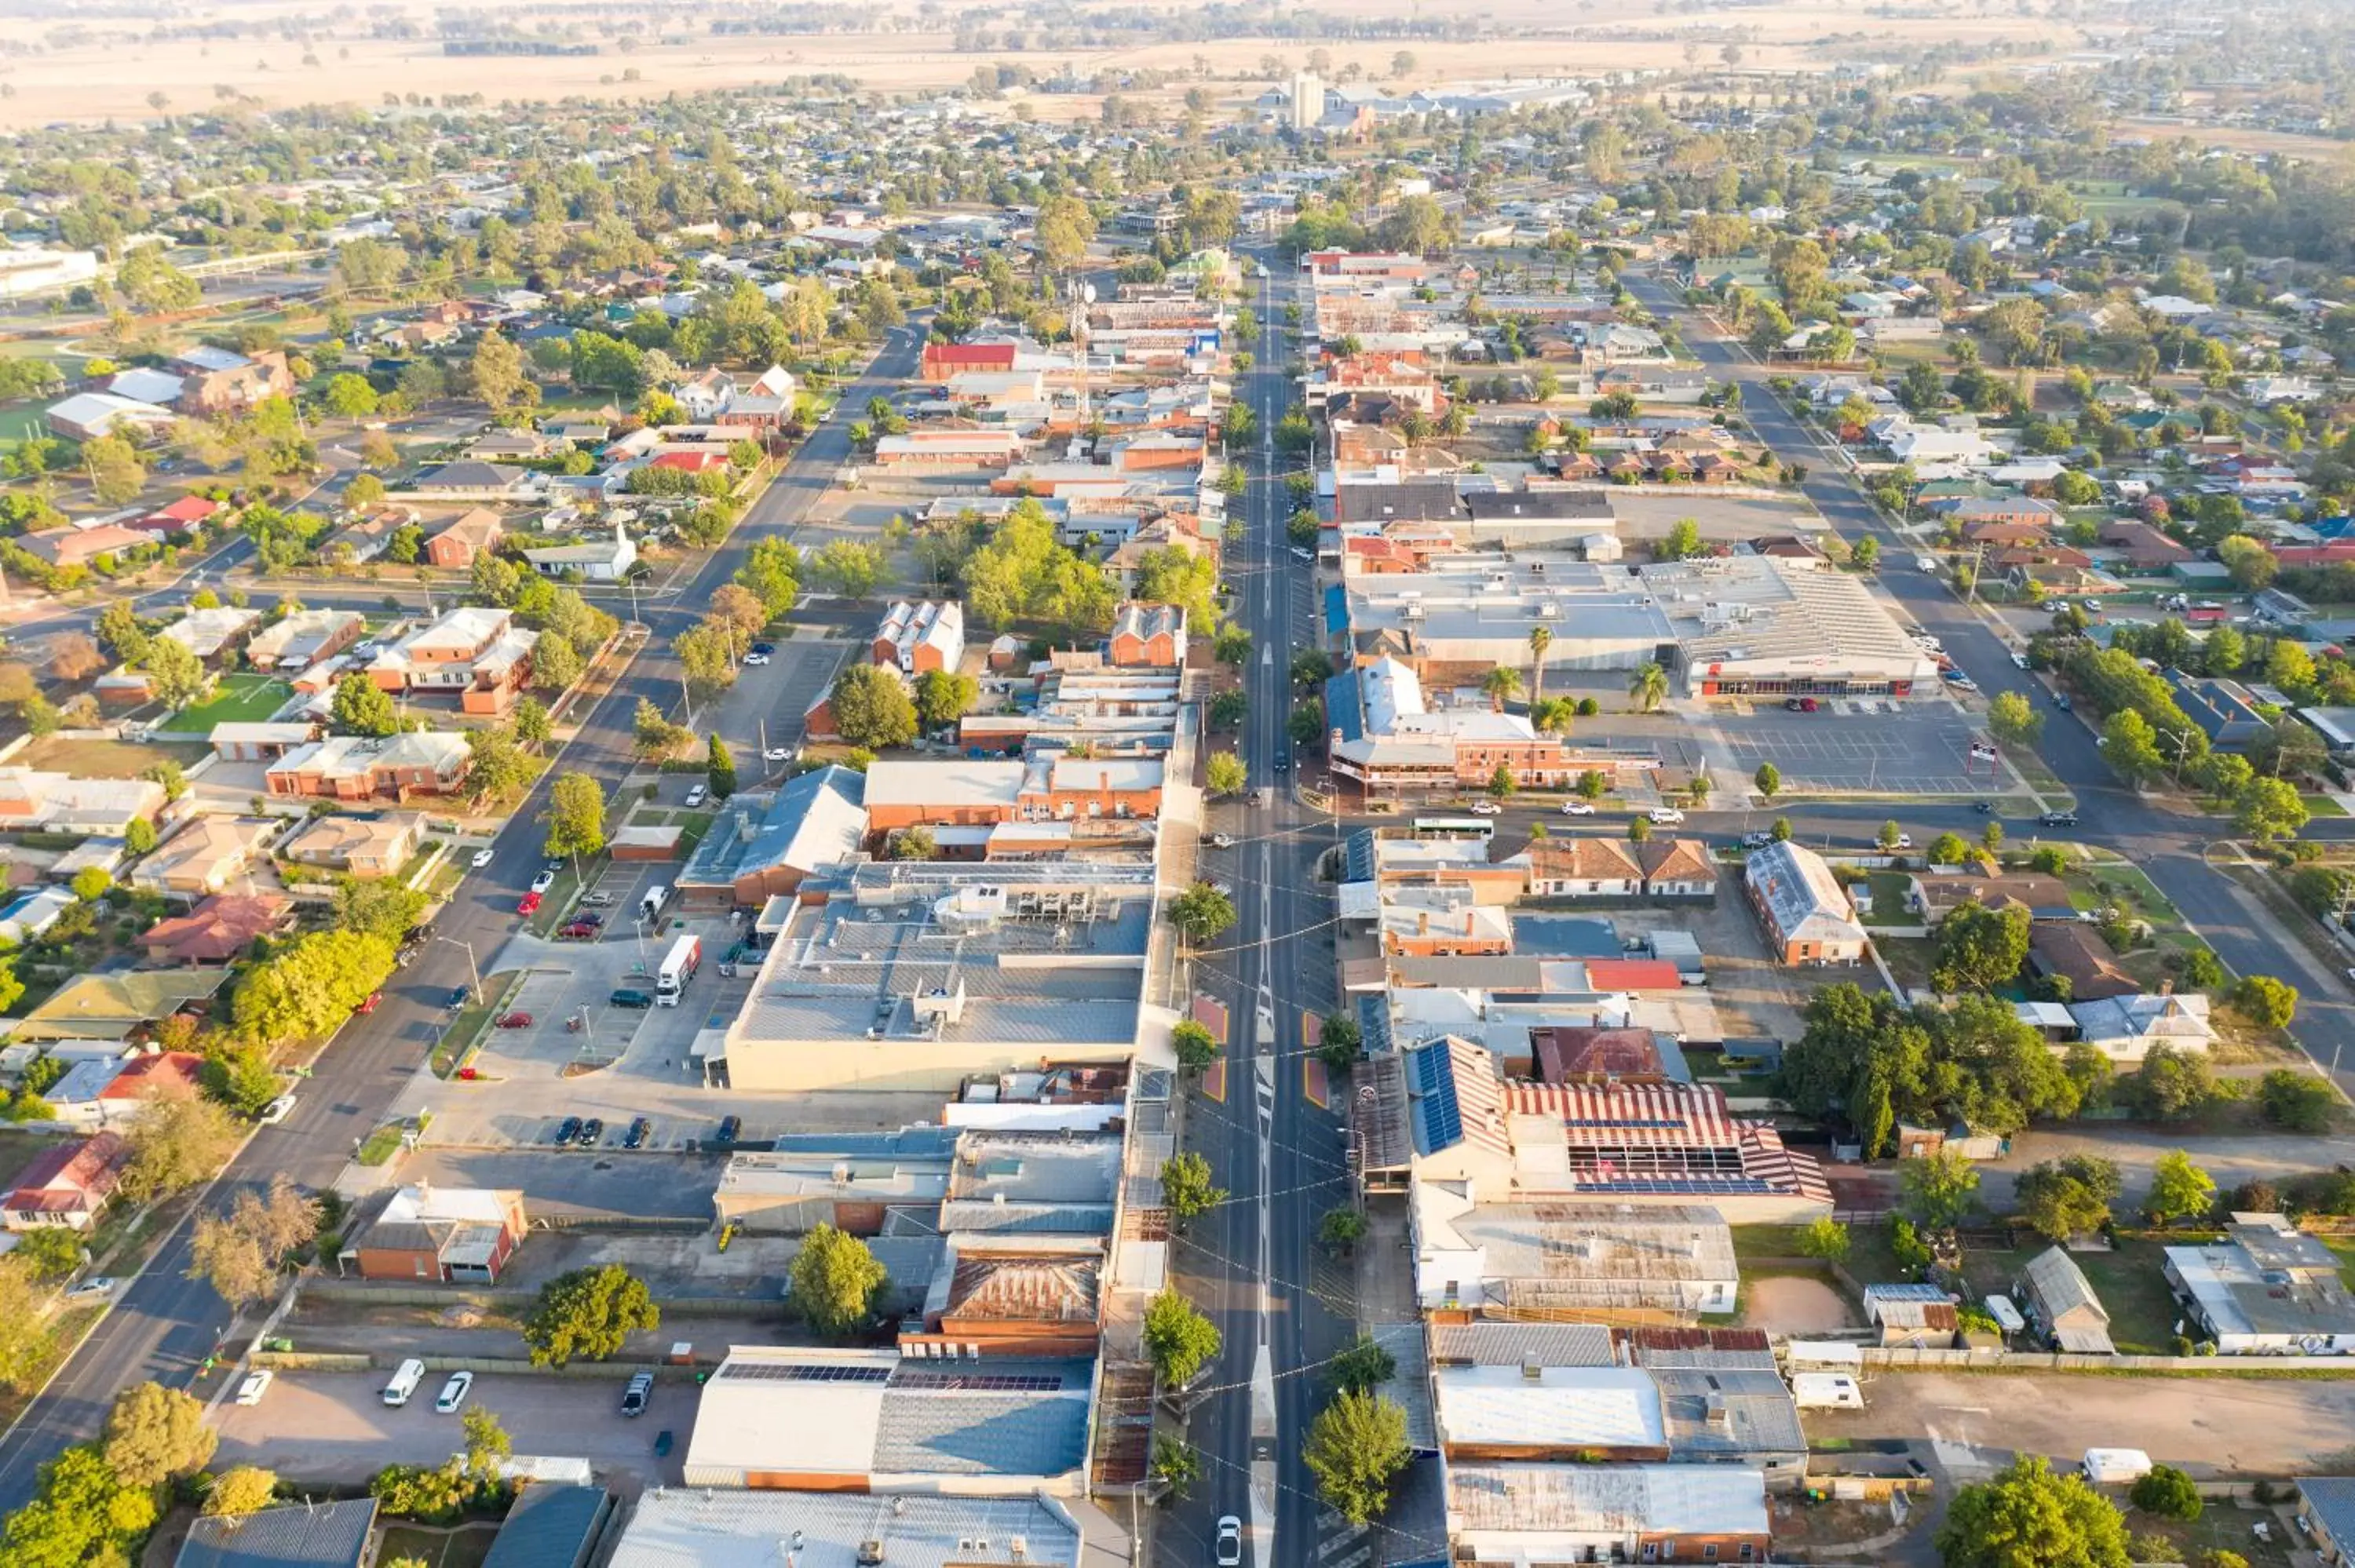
(96, 1288)
(278, 1111)
(753, 659)
(1487, 809)
(482, 857)
(777, 754)
(255, 1385)
(543, 882)
(1222, 841)
(1578, 807)
(1231, 1541)
(696, 796)
(1666, 816)
(454, 1392)
(1905, 840)
(2018, 659)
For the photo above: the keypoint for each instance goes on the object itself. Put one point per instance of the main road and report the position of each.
(2172, 846)
(164, 1324)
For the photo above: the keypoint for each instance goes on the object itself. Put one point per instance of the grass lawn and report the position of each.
(1889, 899)
(2322, 805)
(105, 759)
(2221, 1527)
(465, 1546)
(241, 699)
(2345, 1247)
(2128, 1281)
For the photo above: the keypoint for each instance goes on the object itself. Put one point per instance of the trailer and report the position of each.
(678, 967)
(1827, 1391)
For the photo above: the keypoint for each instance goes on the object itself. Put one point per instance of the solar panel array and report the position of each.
(1435, 1082)
(803, 1372)
(977, 1382)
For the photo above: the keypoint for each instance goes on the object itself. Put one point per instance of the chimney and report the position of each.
(1532, 1370)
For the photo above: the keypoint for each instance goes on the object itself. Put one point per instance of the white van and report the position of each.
(2115, 1466)
(404, 1382)
(652, 903)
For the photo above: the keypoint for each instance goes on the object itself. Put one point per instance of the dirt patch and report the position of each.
(1794, 1306)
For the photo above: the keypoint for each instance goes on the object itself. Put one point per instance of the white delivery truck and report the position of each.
(1827, 1391)
(652, 903)
(404, 1382)
(678, 967)
(2115, 1466)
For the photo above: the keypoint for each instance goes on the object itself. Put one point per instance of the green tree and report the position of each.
(82, 1512)
(1229, 707)
(176, 677)
(2012, 720)
(309, 986)
(2131, 747)
(2167, 1492)
(835, 1282)
(155, 1434)
(1769, 781)
(1683, 541)
(1648, 686)
(2067, 1197)
(849, 567)
(2178, 1190)
(719, 768)
(915, 842)
(176, 1143)
(1340, 1228)
(1938, 1190)
(1501, 783)
(771, 570)
(556, 663)
(575, 815)
(533, 726)
(2029, 1517)
(943, 697)
(241, 1490)
(589, 1314)
(1948, 849)
(121, 632)
(116, 474)
(1178, 1340)
(498, 375)
(1224, 774)
(1357, 1445)
(1338, 1042)
(50, 1252)
(2269, 809)
(1362, 1365)
(872, 708)
(1827, 1238)
(1978, 947)
(1175, 1465)
(362, 707)
(2267, 1003)
(1196, 1046)
(1187, 1187)
(2295, 1102)
(1202, 912)
(350, 396)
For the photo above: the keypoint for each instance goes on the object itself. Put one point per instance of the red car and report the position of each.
(579, 931)
(516, 1021)
(375, 1000)
(530, 904)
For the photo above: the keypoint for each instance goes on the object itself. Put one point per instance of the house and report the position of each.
(2145, 548)
(1150, 636)
(184, 515)
(2225, 710)
(2265, 1288)
(553, 1524)
(682, 1527)
(1577, 1054)
(81, 546)
(219, 928)
(471, 480)
(208, 855)
(217, 381)
(61, 803)
(457, 542)
(304, 638)
(2330, 1511)
(448, 1235)
(32, 912)
(2059, 1303)
(2082, 957)
(236, 740)
(1920, 1316)
(361, 846)
(1584, 867)
(159, 1076)
(1678, 868)
(915, 639)
(115, 1006)
(67, 1184)
(364, 766)
(596, 561)
(1938, 892)
(87, 416)
(2124, 1028)
(476, 651)
(337, 1535)
(211, 633)
(1807, 916)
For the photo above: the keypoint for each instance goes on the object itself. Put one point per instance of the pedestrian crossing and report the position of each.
(1340, 1544)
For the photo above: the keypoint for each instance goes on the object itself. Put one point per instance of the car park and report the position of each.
(636, 1396)
(277, 1110)
(1578, 807)
(566, 1130)
(544, 881)
(593, 1132)
(454, 1392)
(481, 858)
(630, 996)
(637, 1137)
(255, 1385)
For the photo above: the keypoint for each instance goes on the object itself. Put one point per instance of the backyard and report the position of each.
(239, 699)
(104, 758)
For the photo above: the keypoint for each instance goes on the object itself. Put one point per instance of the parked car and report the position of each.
(460, 995)
(528, 904)
(1801, 705)
(277, 1110)
(697, 796)
(579, 931)
(544, 881)
(1664, 816)
(764, 648)
(630, 996)
(597, 900)
(481, 857)
(1757, 838)
(663, 1443)
(777, 754)
(454, 1392)
(635, 1397)
(370, 1003)
(566, 1130)
(1231, 1541)
(2018, 659)
(755, 659)
(515, 1021)
(637, 1137)
(255, 1385)
(1578, 807)
(98, 1287)
(729, 1127)
(593, 1132)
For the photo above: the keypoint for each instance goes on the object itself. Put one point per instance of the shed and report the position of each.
(552, 1526)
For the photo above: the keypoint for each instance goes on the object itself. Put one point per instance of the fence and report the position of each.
(371, 1293)
(482, 1366)
(1897, 1358)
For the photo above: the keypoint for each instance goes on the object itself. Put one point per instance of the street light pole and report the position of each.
(468, 947)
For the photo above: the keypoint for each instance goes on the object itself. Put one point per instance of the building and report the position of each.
(1917, 1317)
(476, 651)
(32, 911)
(365, 766)
(2081, 955)
(211, 633)
(115, 1006)
(596, 560)
(446, 1235)
(219, 929)
(361, 846)
(266, 740)
(552, 1525)
(218, 381)
(872, 1420)
(1516, 1515)
(304, 638)
(208, 855)
(1151, 635)
(299, 1535)
(2124, 1028)
(87, 416)
(2059, 1303)
(61, 803)
(762, 845)
(690, 1529)
(915, 976)
(1547, 1259)
(1805, 912)
(457, 542)
(1305, 105)
(914, 639)
(2265, 1289)
(68, 1184)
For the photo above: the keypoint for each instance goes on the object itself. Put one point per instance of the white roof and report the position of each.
(834, 1423)
(1603, 1407)
(961, 782)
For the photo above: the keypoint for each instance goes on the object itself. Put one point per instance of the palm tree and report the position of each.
(1501, 685)
(1541, 638)
(1649, 687)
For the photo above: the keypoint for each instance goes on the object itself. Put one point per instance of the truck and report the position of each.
(652, 903)
(678, 967)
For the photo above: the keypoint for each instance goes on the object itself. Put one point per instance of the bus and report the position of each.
(1477, 828)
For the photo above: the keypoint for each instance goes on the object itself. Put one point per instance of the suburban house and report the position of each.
(208, 855)
(1807, 914)
(61, 803)
(266, 740)
(338, 1534)
(2265, 1288)
(73, 546)
(211, 633)
(450, 1235)
(1151, 635)
(215, 381)
(362, 846)
(365, 766)
(304, 638)
(594, 560)
(476, 651)
(219, 928)
(1502, 1513)
(2061, 1305)
(66, 1185)
(2124, 1028)
(917, 638)
(457, 542)
(2082, 957)
(116, 1006)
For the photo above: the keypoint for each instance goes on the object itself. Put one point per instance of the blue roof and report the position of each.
(1431, 1092)
(550, 1526)
(1336, 611)
(1343, 710)
(1357, 855)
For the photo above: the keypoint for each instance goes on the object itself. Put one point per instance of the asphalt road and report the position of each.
(164, 1324)
(1251, 1263)
(2170, 846)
